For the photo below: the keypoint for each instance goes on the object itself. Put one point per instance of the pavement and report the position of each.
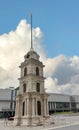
(56, 121)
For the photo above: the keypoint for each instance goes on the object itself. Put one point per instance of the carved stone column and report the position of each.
(47, 107)
(33, 107)
(16, 108)
(44, 106)
(28, 105)
(36, 106)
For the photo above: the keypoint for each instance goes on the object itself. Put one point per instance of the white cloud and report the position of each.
(13, 47)
(62, 72)
(53, 63)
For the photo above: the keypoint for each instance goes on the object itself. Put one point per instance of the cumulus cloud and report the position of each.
(64, 74)
(13, 47)
(61, 72)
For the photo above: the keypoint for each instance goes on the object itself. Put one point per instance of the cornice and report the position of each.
(31, 60)
(31, 75)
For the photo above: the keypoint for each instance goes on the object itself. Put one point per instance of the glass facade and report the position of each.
(58, 106)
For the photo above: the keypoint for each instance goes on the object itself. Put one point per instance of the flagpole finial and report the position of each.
(31, 13)
(31, 30)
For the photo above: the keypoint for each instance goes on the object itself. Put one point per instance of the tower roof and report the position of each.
(31, 54)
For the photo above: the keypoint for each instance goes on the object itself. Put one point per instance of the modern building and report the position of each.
(74, 103)
(63, 102)
(7, 101)
(59, 102)
(56, 102)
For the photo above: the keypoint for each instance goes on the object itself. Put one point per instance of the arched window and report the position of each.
(37, 71)
(38, 87)
(25, 71)
(38, 107)
(24, 88)
(23, 108)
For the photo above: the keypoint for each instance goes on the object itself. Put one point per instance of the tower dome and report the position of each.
(31, 54)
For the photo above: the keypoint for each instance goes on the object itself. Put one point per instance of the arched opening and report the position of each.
(25, 71)
(38, 107)
(24, 88)
(38, 87)
(37, 71)
(23, 108)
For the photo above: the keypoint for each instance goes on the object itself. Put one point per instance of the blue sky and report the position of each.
(57, 19)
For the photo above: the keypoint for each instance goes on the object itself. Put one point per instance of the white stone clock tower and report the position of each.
(31, 101)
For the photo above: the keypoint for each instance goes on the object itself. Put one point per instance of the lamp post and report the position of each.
(11, 102)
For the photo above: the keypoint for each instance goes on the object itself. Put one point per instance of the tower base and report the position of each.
(31, 121)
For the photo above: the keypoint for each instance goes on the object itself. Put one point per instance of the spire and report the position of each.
(31, 31)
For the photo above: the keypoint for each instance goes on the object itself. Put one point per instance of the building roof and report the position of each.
(59, 97)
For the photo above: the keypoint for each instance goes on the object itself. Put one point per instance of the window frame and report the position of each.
(25, 71)
(37, 87)
(37, 71)
(24, 87)
(23, 108)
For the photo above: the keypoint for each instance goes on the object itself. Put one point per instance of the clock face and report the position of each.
(28, 56)
(32, 54)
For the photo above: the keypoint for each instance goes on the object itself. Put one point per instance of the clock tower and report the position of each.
(31, 101)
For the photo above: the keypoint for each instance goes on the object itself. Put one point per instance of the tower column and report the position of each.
(42, 108)
(18, 107)
(33, 107)
(45, 106)
(19, 110)
(28, 106)
(36, 107)
(16, 110)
